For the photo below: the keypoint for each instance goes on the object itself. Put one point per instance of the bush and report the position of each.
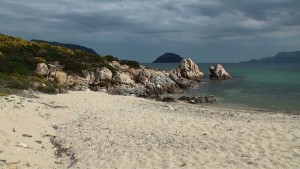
(39, 60)
(111, 58)
(4, 92)
(75, 67)
(17, 67)
(47, 89)
(17, 84)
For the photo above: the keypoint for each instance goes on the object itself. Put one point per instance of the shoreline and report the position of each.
(97, 129)
(230, 106)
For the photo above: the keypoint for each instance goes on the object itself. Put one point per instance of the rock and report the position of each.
(126, 90)
(122, 78)
(42, 69)
(103, 77)
(52, 70)
(181, 82)
(77, 83)
(218, 73)
(80, 83)
(161, 83)
(119, 67)
(60, 78)
(144, 76)
(168, 99)
(22, 145)
(188, 69)
(26, 135)
(183, 98)
(198, 100)
(210, 99)
(98, 77)
(62, 91)
(89, 76)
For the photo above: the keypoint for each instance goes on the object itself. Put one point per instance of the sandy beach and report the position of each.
(97, 130)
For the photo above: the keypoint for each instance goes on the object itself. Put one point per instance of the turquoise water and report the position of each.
(257, 86)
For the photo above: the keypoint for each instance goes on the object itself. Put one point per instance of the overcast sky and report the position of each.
(204, 30)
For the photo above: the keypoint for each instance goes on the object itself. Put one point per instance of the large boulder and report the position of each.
(161, 83)
(42, 69)
(188, 69)
(218, 73)
(122, 78)
(60, 78)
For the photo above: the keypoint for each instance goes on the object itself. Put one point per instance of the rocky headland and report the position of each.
(125, 80)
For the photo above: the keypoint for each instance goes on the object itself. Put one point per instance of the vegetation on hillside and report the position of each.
(18, 60)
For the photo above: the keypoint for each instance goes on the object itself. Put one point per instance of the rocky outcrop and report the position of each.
(125, 80)
(188, 69)
(218, 73)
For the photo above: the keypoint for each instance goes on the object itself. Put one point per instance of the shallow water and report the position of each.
(258, 86)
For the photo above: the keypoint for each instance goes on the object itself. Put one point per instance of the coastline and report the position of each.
(97, 129)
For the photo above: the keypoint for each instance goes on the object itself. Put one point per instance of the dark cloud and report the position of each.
(140, 29)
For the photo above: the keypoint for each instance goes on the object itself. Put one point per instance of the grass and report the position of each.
(4, 92)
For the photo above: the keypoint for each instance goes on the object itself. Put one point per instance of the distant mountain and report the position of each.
(70, 46)
(282, 57)
(168, 58)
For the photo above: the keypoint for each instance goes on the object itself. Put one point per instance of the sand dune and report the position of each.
(97, 130)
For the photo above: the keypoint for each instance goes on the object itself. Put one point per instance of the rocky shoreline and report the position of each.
(125, 80)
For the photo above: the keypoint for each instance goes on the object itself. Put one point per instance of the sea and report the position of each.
(256, 86)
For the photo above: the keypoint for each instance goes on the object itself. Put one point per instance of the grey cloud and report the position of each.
(158, 25)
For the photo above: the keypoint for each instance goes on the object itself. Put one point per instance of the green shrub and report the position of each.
(17, 67)
(47, 89)
(111, 58)
(4, 92)
(17, 84)
(75, 67)
(39, 60)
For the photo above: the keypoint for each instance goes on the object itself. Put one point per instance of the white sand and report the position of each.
(103, 131)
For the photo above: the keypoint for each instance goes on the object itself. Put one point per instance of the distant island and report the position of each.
(281, 57)
(70, 46)
(168, 58)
